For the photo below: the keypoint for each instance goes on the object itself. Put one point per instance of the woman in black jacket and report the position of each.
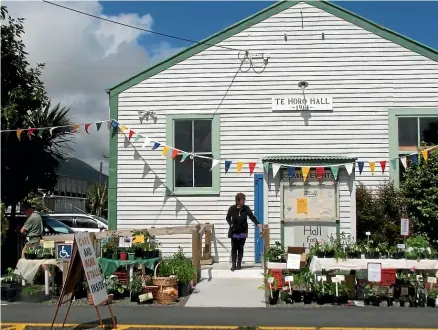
(237, 218)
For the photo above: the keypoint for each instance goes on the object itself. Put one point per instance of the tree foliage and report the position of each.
(97, 200)
(379, 211)
(420, 187)
(28, 163)
(4, 222)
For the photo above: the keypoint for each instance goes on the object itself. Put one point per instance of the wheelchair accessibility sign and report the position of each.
(63, 251)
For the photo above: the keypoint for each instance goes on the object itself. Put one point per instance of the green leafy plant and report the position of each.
(275, 253)
(31, 289)
(11, 277)
(113, 285)
(135, 285)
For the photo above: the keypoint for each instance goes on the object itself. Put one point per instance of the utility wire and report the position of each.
(138, 28)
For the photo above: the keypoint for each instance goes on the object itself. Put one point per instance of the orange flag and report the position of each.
(372, 167)
(75, 128)
(305, 171)
(19, 131)
(252, 166)
(425, 154)
(175, 153)
(239, 166)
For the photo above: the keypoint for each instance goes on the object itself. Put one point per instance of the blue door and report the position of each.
(258, 212)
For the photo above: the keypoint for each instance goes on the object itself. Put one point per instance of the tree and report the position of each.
(379, 212)
(28, 162)
(97, 200)
(420, 187)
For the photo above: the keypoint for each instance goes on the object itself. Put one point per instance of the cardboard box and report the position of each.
(301, 251)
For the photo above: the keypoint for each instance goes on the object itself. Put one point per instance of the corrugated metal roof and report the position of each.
(297, 159)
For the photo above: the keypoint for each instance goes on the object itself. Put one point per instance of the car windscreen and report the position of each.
(57, 226)
(104, 221)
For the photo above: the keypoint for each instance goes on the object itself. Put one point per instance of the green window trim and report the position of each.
(215, 148)
(393, 115)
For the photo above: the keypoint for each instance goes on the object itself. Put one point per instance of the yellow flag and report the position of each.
(75, 128)
(239, 166)
(123, 128)
(372, 167)
(19, 131)
(425, 154)
(305, 171)
(165, 150)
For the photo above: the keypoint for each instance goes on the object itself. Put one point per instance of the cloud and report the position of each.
(83, 57)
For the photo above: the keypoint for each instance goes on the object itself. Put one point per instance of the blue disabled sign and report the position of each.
(63, 251)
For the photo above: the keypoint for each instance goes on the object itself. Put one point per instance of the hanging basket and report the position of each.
(165, 298)
(163, 281)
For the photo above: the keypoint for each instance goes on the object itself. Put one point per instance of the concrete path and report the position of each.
(227, 292)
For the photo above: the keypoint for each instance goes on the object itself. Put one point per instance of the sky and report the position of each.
(84, 55)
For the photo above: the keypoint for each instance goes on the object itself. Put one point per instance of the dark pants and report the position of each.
(237, 245)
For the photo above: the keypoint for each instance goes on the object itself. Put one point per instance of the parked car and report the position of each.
(51, 225)
(81, 222)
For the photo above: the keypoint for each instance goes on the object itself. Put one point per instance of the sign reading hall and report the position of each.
(303, 103)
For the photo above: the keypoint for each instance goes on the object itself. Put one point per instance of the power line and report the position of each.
(138, 28)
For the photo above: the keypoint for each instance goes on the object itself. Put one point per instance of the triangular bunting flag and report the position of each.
(305, 171)
(372, 167)
(404, 162)
(383, 165)
(86, 128)
(425, 154)
(98, 125)
(155, 146)
(184, 156)
(165, 150)
(290, 171)
(335, 171)
(360, 165)
(30, 131)
(266, 167)
(40, 132)
(131, 133)
(75, 128)
(349, 168)
(114, 123)
(394, 162)
(19, 131)
(227, 165)
(415, 159)
(175, 153)
(319, 172)
(239, 166)
(138, 137)
(51, 130)
(275, 169)
(214, 162)
(123, 128)
(252, 166)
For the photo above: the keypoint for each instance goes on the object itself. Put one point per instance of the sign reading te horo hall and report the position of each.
(303, 103)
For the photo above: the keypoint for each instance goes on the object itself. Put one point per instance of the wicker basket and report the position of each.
(152, 289)
(163, 281)
(164, 298)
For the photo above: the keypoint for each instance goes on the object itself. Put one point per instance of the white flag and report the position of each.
(404, 162)
(51, 130)
(214, 163)
(349, 168)
(275, 169)
(146, 142)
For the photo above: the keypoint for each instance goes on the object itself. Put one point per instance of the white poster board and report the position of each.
(314, 200)
(293, 261)
(374, 272)
(96, 284)
(404, 227)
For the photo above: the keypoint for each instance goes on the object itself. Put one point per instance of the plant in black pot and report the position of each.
(317, 251)
(48, 253)
(343, 291)
(131, 252)
(30, 254)
(270, 286)
(275, 253)
(33, 293)
(184, 271)
(135, 286)
(307, 279)
(114, 287)
(318, 289)
(40, 254)
(329, 293)
(11, 286)
(432, 298)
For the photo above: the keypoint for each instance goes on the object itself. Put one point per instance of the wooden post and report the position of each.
(196, 252)
(206, 258)
(266, 240)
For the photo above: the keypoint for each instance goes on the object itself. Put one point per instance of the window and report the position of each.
(68, 221)
(199, 135)
(83, 222)
(407, 129)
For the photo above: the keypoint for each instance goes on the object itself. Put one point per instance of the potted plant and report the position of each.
(343, 292)
(33, 293)
(307, 279)
(30, 254)
(185, 273)
(48, 254)
(135, 286)
(318, 289)
(114, 287)
(432, 298)
(123, 254)
(11, 286)
(275, 254)
(131, 252)
(40, 254)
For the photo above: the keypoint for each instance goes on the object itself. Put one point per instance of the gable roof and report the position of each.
(263, 15)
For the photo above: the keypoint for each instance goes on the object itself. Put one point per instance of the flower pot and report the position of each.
(35, 298)
(131, 256)
(375, 301)
(341, 300)
(329, 298)
(115, 256)
(11, 291)
(273, 298)
(307, 298)
(390, 302)
(156, 253)
(183, 289)
(138, 254)
(123, 256)
(330, 254)
(431, 302)
(296, 296)
(366, 302)
(320, 254)
(320, 299)
(134, 297)
(402, 303)
(147, 254)
(48, 256)
(30, 256)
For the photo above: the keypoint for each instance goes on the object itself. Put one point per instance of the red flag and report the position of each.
(175, 153)
(383, 165)
(251, 167)
(30, 131)
(86, 127)
(131, 133)
(319, 172)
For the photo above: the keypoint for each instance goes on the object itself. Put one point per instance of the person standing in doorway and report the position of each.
(237, 218)
(32, 228)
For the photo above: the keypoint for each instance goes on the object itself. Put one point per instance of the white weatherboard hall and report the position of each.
(301, 88)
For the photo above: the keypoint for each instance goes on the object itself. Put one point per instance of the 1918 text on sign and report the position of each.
(92, 271)
(302, 103)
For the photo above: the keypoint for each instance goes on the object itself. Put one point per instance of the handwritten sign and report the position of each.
(293, 261)
(431, 280)
(336, 280)
(302, 205)
(92, 270)
(322, 278)
(138, 239)
(374, 272)
(289, 278)
(48, 244)
(341, 277)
